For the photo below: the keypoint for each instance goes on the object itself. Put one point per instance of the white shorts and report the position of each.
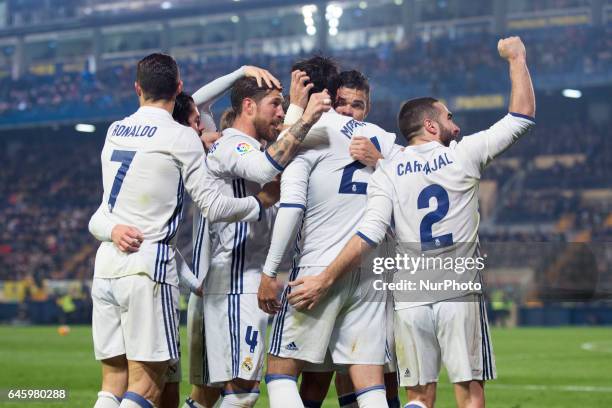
(198, 372)
(390, 360)
(135, 316)
(235, 338)
(345, 322)
(453, 333)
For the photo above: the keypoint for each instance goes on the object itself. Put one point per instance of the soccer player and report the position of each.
(187, 113)
(234, 326)
(350, 92)
(431, 190)
(202, 394)
(147, 161)
(325, 188)
(200, 118)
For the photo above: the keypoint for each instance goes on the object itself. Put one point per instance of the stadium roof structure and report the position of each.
(104, 13)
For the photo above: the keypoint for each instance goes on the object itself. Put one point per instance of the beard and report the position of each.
(266, 130)
(446, 136)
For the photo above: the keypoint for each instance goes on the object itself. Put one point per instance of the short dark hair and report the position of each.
(182, 108)
(247, 87)
(320, 70)
(158, 76)
(349, 79)
(413, 112)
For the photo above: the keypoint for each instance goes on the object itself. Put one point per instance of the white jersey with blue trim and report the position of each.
(330, 186)
(237, 250)
(432, 192)
(201, 246)
(148, 160)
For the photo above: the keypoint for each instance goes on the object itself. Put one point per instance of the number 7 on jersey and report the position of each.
(125, 157)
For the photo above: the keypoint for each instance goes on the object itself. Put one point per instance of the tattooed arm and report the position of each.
(285, 148)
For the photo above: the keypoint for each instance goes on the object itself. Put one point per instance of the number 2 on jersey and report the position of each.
(428, 241)
(125, 157)
(347, 185)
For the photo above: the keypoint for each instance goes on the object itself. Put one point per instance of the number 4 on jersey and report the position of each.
(251, 338)
(125, 157)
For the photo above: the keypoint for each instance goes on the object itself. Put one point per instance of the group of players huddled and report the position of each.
(310, 178)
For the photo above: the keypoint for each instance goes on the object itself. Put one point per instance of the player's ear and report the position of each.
(179, 88)
(430, 126)
(138, 89)
(249, 106)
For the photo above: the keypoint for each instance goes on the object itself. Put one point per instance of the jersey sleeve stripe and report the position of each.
(520, 115)
(293, 205)
(261, 208)
(274, 162)
(366, 239)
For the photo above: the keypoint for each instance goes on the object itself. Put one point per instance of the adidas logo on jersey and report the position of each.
(407, 373)
(291, 346)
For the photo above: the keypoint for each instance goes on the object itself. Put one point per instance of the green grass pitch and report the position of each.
(539, 367)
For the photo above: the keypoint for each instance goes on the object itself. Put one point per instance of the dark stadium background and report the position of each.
(69, 62)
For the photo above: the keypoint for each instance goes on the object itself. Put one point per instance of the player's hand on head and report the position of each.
(300, 86)
(363, 150)
(263, 76)
(267, 295)
(270, 193)
(318, 103)
(511, 48)
(126, 238)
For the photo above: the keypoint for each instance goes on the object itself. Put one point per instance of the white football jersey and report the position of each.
(432, 191)
(237, 250)
(330, 186)
(148, 160)
(201, 245)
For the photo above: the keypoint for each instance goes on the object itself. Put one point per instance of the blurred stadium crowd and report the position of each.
(438, 66)
(49, 186)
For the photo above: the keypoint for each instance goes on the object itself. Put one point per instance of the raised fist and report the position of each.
(511, 48)
(317, 104)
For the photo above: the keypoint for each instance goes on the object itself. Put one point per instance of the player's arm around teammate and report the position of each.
(180, 156)
(269, 288)
(281, 152)
(350, 92)
(476, 152)
(293, 342)
(522, 102)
